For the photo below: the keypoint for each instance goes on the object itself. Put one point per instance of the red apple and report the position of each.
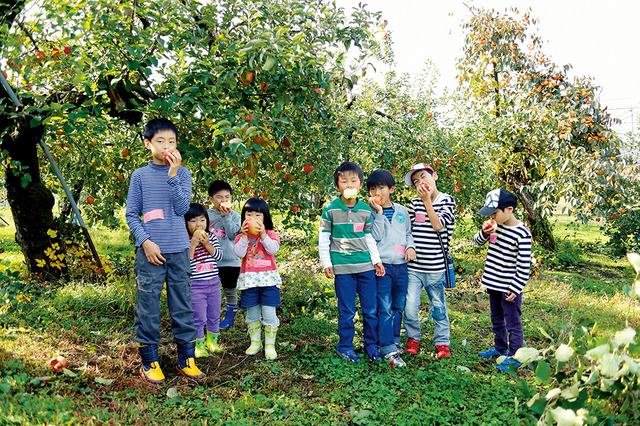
(319, 91)
(90, 199)
(308, 168)
(57, 363)
(286, 143)
(40, 55)
(246, 189)
(213, 164)
(425, 186)
(67, 50)
(378, 199)
(294, 208)
(249, 117)
(124, 153)
(279, 166)
(55, 54)
(246, 78)
(165, 155)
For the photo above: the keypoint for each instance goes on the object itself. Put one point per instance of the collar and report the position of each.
(355, 208)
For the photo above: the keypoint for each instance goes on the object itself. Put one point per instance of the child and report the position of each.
(259, 281)
(161, 194)
(225, 224)
(506, 272)
(205, 284)
(348, 253)
(431, 214)
(391, 228)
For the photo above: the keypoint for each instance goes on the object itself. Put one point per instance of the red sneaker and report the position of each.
(412, 346)
(443, 351)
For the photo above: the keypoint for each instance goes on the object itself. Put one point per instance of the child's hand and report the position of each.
(152, 252)
(225, 208)
(328, 272)
(244, 229)
(410, 254)
(424, 191)
(175, 159)
(489, 227)
(379, 269)
(510, 296)
(374, 205)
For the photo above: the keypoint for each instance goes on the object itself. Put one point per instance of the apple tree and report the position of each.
(250, 85)
(550, 137)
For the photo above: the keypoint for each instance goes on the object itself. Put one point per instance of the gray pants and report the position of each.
(150, 281)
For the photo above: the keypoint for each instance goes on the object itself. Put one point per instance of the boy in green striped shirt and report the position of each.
(349, 254)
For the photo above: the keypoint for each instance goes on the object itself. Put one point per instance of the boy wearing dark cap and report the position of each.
(506, 272)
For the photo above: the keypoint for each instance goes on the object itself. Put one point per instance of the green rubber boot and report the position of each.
(201, 348)
(212, 342)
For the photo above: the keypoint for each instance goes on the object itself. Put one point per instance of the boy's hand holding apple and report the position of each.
(489, 227)
(376, 203)
(225, 208)
(173, 159)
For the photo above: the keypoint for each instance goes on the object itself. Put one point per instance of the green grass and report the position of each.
(92, 325)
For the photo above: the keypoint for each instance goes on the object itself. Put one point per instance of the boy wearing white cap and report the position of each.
(506, 272)
(431, 213)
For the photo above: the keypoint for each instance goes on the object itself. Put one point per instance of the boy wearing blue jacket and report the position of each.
(391, 229)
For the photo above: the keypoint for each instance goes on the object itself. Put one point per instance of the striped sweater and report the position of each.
(345, 241)
(156, 206)
(203, 265)
(508, 258)
(429, 256)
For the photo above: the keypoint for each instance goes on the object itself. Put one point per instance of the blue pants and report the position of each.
(150, 281)
(505, 317)
(391, 294)
(433, 283)
(347, 286)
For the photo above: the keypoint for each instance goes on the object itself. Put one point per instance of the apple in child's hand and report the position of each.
(198, 233)
(350, 193)
(489, 225)
(57, 363)
(425, 186)
(226, 205)
(378, 199)
(166, 154)
(253, 226)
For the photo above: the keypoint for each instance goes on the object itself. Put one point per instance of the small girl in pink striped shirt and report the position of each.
(259, 281)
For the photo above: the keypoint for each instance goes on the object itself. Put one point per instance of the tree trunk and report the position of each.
(31, 201)
(539, 226)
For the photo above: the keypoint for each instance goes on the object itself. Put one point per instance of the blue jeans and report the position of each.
(347, 285)
(150, 280)
(433, 283)
(392, 294)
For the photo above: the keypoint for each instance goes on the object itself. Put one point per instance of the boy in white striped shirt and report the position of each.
(431, 213)
(506, 272)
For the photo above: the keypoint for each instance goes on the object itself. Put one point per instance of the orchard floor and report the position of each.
(92, 326)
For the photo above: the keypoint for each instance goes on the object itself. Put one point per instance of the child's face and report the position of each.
(198, 222)
(502, 215)
(423, 176)
(254, 215)
(162, 141)
(384, 192)
(220, 197)
(349, 180)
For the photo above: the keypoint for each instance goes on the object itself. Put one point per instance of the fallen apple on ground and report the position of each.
(57, 363)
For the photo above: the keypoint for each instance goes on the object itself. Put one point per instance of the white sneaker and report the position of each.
(395, 360)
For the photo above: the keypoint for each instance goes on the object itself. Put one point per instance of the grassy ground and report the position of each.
(92, 326)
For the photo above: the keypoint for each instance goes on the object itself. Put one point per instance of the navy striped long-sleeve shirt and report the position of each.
(156, 205)
(429, 256)
(508, 258)
(204, 266)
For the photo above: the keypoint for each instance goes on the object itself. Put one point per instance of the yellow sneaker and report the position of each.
(190, 370)
(152, 373)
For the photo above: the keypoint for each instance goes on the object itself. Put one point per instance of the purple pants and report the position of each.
(205, 299)
(505, 317)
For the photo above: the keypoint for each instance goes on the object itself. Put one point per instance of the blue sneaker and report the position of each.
(375, 356)
(505, 364)
(490, 353)
(350, 355)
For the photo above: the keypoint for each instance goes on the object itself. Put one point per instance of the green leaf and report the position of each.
(104, 381)
(69, 373)
(269, 63)
(35, 122)
(543, 371)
